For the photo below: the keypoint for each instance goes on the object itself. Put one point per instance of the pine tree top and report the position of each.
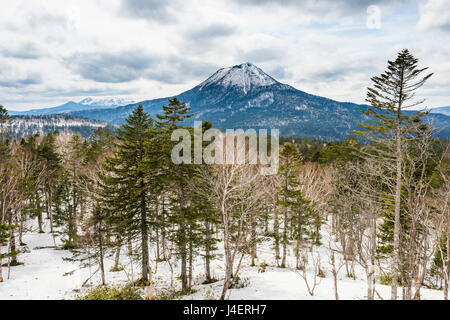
(175, 113)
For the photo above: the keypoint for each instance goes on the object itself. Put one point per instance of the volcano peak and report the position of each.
(245, 76)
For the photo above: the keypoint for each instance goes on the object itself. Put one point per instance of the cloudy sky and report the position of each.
(55, 51)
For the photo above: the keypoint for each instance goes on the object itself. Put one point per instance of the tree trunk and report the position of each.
(150, 286)
(73, 219)
(2, 216)
(21, 243)
(373, 252)
(285, 230)
(50, 214)
(397, 226)
(12, 246)
(1, 276)
(299, 241)
(285, 226)
(276, 234)
(130, 246)
(191, 271)
(207, 252)
(82, 208)
(100, 244)
(297, 256)
(370, 272)
(447, 265)
(117, 258)
(228, 273)
(227, 249)
(253, 239)
(266, 222)
(50, 209)
(334, 272)
(163, 229)
(183, 254)
(39, 217)
(144, 239)
(158, 252)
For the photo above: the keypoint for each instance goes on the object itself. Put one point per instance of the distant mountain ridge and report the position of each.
(441, 110)
(243, 96)
(88, 103)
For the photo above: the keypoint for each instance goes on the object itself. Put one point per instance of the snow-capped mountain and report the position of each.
(243, 77)
(88, 103)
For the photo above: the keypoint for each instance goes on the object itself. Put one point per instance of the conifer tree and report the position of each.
(291, 200)
(100, 144)
(94, 243)
(29, 200)
(69, 193)
(392, 93)
(177, 177)
(4, 119)
(5, 228)
(51, 161)
(5, 235)
(202, 218)
(127, 185)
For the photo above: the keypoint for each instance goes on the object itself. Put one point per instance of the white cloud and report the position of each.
(435, 15)
(61, 50)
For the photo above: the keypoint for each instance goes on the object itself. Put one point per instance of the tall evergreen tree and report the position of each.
(51, 161)
(5, 228)
(392, 93)
(69, 193)
(4, 119)
(177, 176)
(291, 200)
(127, 186)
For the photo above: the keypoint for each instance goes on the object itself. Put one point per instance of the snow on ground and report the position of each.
(45, 275)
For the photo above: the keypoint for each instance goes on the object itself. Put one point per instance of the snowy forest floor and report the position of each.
(45, 275)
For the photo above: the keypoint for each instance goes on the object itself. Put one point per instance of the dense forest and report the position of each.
(384, 192)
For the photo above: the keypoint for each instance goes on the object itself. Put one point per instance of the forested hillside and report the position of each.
(24, 126)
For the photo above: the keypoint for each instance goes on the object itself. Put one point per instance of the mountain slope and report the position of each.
(243, 96)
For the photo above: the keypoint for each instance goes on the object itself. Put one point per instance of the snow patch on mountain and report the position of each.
(244, 76)
(106, 101)
(301, 107)
(266, 97)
